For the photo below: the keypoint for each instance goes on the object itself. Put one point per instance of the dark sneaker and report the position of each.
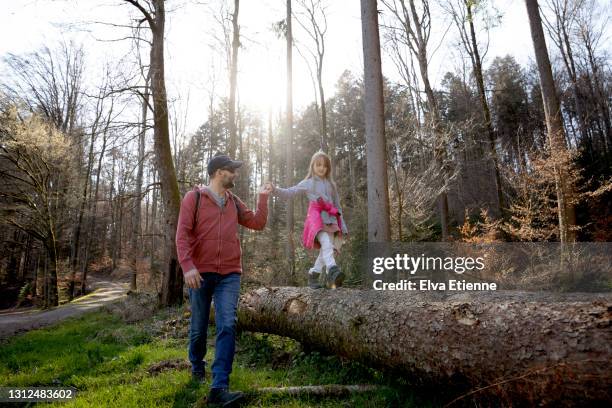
(198, 378)
(222, 397)
(313, 280)
(335, 277)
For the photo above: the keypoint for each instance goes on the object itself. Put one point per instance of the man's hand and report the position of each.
(193, 279)
(267, 188)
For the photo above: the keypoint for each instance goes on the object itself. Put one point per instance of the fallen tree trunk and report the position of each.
(533, 347)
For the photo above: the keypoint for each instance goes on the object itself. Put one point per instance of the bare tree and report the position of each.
(50, 82)
(136, 221)
(564, 13)
(313, 20)
(464, 14)
(591, 24)
(153, 13)
(35, 178)
(414, 32)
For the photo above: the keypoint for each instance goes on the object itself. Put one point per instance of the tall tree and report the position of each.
(314, 22)
(289, 129)
(155, 16)
(35, 177)
(464, 14)
(50, 82)
(591, 26)
(414, 32)
(137, 207)
(565, 13)
(379, 225)
(233, 79)
(554, 126)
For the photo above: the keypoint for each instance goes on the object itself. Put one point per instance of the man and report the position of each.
(209, 253)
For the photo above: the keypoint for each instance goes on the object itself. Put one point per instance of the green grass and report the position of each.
(107, 361)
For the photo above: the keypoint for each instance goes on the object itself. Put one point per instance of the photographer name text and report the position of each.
(426, 284)
(413, 264)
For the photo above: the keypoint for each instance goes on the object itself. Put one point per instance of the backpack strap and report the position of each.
(235, 203)
(197, 207)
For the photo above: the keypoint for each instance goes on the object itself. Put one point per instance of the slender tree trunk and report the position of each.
(51, 298)
(324, 136)
(154, 222)
(121, 204)
(45, 280)
(351, 168)
(113, 213)
(36, 273)
(93, 207)
(172, 284)
(211, 116)
(379, 225)
(477, 65)
(11, 278)
(137, 230)
(289, 126)
(74, 256)
(270, 161)
(400, 201)
(602, 100)
(233, 80)
(554, 125)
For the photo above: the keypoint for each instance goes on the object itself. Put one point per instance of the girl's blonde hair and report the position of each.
(328, 175)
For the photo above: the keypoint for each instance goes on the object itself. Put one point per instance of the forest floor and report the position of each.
(120, 357)
(104, 291)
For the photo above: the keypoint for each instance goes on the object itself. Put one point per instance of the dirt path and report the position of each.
(104, 292)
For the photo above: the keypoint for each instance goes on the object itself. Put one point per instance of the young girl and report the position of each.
(324, 224)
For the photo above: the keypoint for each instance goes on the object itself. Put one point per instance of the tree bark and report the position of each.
(93, 205)
(271, 211)
(172, 284)
(233, 79)
(379, 224)
(51, 297)
(290, 248)
(137, 216)
(525, 347)
(477, 65)
(74, 255)
(554, 125)
(172, 281)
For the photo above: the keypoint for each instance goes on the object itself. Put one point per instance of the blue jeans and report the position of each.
(225, 290)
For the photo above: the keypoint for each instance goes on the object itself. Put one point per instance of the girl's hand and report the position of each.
(267, 189)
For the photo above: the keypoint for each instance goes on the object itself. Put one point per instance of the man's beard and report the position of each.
(228, 184)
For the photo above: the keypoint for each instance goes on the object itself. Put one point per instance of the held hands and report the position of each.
(193, 279)
(267, 188)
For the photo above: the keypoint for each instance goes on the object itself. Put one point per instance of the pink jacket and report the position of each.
(314, 223)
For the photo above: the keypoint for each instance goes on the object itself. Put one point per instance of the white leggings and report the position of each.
(326, 254)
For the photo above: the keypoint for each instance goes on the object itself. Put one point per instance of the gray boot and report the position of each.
(313, 280)
(335, 277)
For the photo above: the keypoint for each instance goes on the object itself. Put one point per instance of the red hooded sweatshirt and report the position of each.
(213, 245)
